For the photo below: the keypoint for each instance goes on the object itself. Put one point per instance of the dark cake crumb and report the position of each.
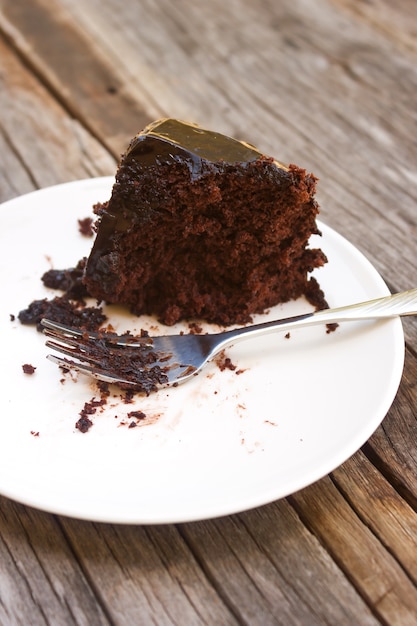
(85, 226)
(12, 317)
(90, 408)
(139, 415)
(104, 388)
(64, 311)
(83, 424)
(68, 280)
(229, 365)
(195, 329)
(69, 308)
(331, 327)
(28, 369)
(224, 362)
(128, 396)
(135, 417)
(316, 297)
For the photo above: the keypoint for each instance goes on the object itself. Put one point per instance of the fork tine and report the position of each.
(73, 349)
(141, 380)
(94, 371)
(57, 329)
(135, 365)
(64, 332)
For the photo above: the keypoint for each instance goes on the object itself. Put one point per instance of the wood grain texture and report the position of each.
(397, 21)
(42, 145)
(381, 579)
(145, 574)
(40, 581)
(66, 60)
(332, 89)
(284, 570)
(381, 508)
(393, 447)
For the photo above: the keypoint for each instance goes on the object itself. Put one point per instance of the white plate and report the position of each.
(221, 443)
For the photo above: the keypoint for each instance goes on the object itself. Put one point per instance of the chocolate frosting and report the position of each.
(168, 140)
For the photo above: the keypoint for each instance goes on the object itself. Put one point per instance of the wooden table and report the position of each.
(332, 86)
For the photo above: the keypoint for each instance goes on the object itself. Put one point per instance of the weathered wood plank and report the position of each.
(71, 66)
(374, 571)
(40, 581)
(246, 559)
(274, 571)
(397, 20)
(393, 447)
(146, 575)
(381, 508)
(15, 179)
(42, 145)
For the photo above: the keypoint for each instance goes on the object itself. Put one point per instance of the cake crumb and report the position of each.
(195, 329)
(90, 408)
(224, 362)
(139, 415)
(83, 424)
(85, 226)
(28, 369)
(64, 311)
(331, 328)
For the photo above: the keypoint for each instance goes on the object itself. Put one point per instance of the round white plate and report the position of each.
(221, 443)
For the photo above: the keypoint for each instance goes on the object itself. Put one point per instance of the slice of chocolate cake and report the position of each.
(200, 225)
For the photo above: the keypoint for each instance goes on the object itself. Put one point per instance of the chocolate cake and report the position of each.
(200, 225)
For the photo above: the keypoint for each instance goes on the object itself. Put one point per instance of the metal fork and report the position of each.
(147, 363)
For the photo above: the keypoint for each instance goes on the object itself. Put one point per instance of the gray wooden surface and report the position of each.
(330, 85)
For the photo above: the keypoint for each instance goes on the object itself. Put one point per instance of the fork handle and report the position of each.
(404, 303)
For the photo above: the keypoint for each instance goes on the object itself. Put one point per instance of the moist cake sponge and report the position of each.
(200, 225)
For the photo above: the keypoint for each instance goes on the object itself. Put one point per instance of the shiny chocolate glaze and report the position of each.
(173, 140)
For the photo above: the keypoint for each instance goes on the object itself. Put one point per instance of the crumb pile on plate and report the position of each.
(70, 307)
